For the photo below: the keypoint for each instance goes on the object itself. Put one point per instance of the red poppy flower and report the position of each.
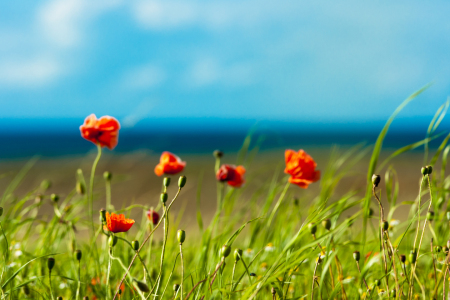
(103, 131)
(233, 175)
(301, 167)
(153, 216)
(118, 223)
(169, 164)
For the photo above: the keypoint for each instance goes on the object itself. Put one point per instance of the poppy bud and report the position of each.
(312, 228)
(142, 286)
(107, 176)
(50, 263)
(370, 212)
(356, 255)
(81, 189)
(273, 291)
(237, 254)
(176, 286)
(430, 215)
(327, 224)
(103, 215)
(59, 298)
(135, 245)
(78, 255)
(296, 202)
(119, 291)
(182, 181)
(181, 236)
(112, 240)
(225, 251)
(429, 170)
(46, 184)
(377, 282)
(166, 181)
(85, 298)
(413, 256)
(218, 154)
(54, 198)
(376, 180)
(424, 171)
(437, 249)
(403, 258)
(26, 290)
(385, 225)
(1, 211)
(445, 248)
(164, 197)
(252, 274)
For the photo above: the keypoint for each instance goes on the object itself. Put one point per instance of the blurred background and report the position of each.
(193, 76)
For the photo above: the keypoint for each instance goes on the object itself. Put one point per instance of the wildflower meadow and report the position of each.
(271, 245)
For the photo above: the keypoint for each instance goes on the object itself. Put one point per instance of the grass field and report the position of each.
(344, 237)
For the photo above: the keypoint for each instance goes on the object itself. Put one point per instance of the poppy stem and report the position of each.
(91, 185)
(182, 271)
(50, 283)
(166, 233)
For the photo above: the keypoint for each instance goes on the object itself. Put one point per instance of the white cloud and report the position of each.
(140, 112)
(144, 77)
(28, 73)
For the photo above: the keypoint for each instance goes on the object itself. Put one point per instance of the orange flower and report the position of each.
(103, 131)
(169, 164)
(153, 216)
(301, 167)
(233, 175)
(118, 223)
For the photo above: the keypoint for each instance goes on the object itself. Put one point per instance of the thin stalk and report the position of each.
(314, 278)
(91, 185)
(359, 269)
(166, 233)
(50, 283)
(232, 276)
(108, 290)
(108, 194)
(79, 281)
(182, 271)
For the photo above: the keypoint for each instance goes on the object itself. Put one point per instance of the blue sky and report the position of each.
(250, 59)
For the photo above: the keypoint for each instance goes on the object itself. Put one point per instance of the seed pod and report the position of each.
(103, 215)
(376, 180)
(107, 176)
(85, 298)
(50, 263)
(252, 274)
(112, 240)
(424, 171)
(1, 211)
(370, 212)
(218, 154)
(327, 224)
(225, 251)
(237, 254)
(143, 287)
(59, 298)
(312, 228)
(429, 170)
(181, 181)
(403, 258)
(181, 236)
(430, 215)
(81, 189)
(166, 181)
(385, 225)
(377, 282)
(164, 197)
(356, 255)
(413, 256)
(135, 245)
(78, 255)
(437, 249)
(54, 198)
(176, 286)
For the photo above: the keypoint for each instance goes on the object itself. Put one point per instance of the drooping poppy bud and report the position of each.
(437, 249)
(413, 256)
(217, 153)
(81, 188)
(356, 255)
(54, 198)
(376, 180)
(312, 228)
(424, 171)
(135, 245)
(181, 236)
(59, 298)
(430, 215)
(225, 251)
(112, 241)
(181, 181)
(176, 286)
(237, 254)
(85, 298)
(78, 255)
(46, 184)
(50, 263)
(142, 286)
(164, 197)
(107, 176)
(103, 215)
(327, 224)
(385, 225)
(429, 170)
(403, 258)
(166, 181)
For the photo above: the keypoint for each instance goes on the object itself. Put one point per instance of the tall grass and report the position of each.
(267, 246)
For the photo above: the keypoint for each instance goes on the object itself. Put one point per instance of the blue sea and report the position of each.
(24, 138)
